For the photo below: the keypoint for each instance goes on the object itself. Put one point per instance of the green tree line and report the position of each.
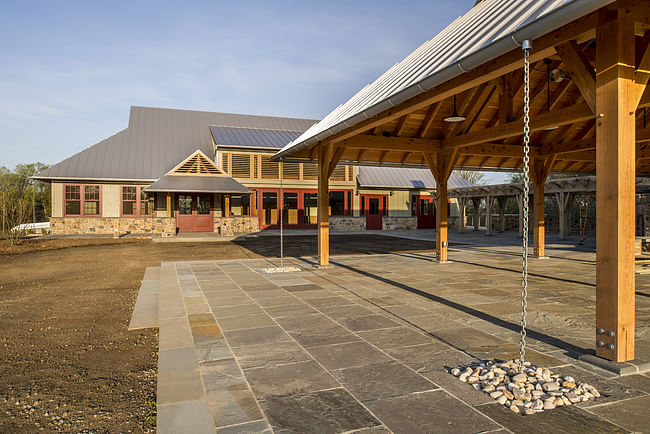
(22, 199)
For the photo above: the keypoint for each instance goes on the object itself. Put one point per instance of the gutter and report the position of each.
(540, 27)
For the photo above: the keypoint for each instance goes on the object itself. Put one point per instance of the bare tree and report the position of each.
(476, 178)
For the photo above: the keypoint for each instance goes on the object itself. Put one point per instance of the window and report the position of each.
(240, 205)
(135, 201)
(337, 203)
(82, 200)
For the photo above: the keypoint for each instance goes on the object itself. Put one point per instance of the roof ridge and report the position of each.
(258, 128)
(221, 113)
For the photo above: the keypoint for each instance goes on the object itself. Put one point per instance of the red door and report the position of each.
(373, 206)
(422, 207)
(194, 213)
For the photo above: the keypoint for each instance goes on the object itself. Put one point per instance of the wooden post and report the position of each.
(476, 201)
(538, 174)
(520, 205)
(562, 199)
(461, 215)
(615, 187)
(538, 218)
(169, 204)
(253, 203)
(226, 205)
(489, 200)
(324, 156)
(441, 167)
(502, 213)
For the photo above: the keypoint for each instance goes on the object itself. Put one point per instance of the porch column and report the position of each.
(476, 201)
(618, 93)
(489, 200)
(169, 204)
(538, 174)
(502, 213)
(441, 166)
(461, 215)
(324, 155)
(562, 199)
(253, 204)
(520, 205)
(226, 205)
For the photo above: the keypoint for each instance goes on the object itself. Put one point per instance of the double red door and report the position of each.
(423, 208)
(194, 212)
(374, 207)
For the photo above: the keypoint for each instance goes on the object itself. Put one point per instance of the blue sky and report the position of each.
(70, 70)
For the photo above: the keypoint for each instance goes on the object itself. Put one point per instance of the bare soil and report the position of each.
(67, 361)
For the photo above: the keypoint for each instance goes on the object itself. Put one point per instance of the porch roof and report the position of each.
(197, 184)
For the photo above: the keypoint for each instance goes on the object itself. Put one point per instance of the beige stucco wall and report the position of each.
(57, 199)
(111, 200)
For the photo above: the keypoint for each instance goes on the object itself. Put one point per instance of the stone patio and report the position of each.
(365, 344)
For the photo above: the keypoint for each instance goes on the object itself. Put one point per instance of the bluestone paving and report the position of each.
(365, 345)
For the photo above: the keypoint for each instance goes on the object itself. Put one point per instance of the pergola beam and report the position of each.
(383, 143)
(569, 115)
(581, 71)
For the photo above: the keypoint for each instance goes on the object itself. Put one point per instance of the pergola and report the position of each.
(587, 115)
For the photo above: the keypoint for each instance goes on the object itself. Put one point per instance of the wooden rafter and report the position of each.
(365, 141)
(582, 72)
(428, 119)
(401, 122)
(569, 115)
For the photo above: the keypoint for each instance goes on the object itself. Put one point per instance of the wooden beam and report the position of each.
(498, 150)
(428, 119)
(411, 144)
(324, 158)
(169, 204)
(615, 189)
(642, 73)
(397, 131)
(574, 146)
(335, 160)
(511, 61)
(383, 156)
(569, 115)
(582, 72)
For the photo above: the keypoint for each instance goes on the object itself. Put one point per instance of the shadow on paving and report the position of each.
(470, 311)
(340, 244)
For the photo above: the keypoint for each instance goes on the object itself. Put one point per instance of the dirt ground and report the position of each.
(68, 362)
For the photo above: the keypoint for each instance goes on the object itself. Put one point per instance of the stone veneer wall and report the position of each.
(399, 223)
(347, 223)
(163, 226)
(228, 226)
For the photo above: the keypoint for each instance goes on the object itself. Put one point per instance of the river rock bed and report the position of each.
(532, 391)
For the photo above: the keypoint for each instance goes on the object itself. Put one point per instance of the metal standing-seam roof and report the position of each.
(490, 29)
(401, 177)
(155, 141)
(253, 137)
(197, 184)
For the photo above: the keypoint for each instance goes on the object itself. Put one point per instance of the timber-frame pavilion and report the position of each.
(590, 63)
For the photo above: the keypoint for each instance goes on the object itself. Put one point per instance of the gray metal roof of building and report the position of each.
(488, 30)
(155, 141)
(252, 137)
(197, 184)
(401, 177)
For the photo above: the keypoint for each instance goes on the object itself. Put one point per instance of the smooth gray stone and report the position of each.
(567, 419)
(289, 379)
(174, 333)
(368, 322)
(245, 322)
(178, 376)
(259, 426)
(184, 417)
(394, 337)
(256, 336)
(632, 414)
(266, 356)
(434, 411)
(326, 411)
(348, 355)
(324, 336)
(382, 380)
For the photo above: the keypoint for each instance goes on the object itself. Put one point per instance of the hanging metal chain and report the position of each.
(526, 46)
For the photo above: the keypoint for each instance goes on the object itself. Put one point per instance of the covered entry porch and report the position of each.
(588, 70)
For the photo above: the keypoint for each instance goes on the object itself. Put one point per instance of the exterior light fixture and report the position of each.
(455, 117)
